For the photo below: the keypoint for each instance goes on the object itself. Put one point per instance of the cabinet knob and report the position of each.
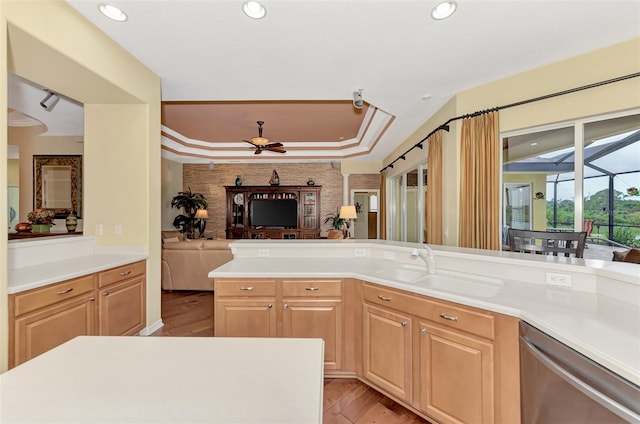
(105, 293)
(423, 331)
(386, 299)
(286, 306)
(125, 273)
(65, 291)
(269, 306)
(92, 299)
(246, 288)
(448, 317)
(403, 323)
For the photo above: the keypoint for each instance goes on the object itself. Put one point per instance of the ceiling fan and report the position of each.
(261, 143)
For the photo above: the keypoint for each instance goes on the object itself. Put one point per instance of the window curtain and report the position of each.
(479, 182)
(382, 206)
(433, 207)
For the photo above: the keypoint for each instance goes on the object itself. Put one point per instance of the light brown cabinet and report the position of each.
(122, 300)
(43, 318)
(456, 375)
(387, 351)
(461, 362)
(282, 308)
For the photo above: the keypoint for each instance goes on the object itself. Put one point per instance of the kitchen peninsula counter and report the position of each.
(599, 316)
(168, 380)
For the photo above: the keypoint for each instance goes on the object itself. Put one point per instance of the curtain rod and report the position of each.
(445, 126)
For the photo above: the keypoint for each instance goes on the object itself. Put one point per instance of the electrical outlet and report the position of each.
(117, 229)
(359, 252)
(98, 230)
(562, 280)
(387, 254)
(262, 253)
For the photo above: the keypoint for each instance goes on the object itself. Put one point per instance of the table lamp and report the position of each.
(347, 212)
(202, 215)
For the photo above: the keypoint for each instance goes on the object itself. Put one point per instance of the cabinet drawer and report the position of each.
(38, 298)
(244, 287)
(442, 313)
(311, 288)
(121, 273)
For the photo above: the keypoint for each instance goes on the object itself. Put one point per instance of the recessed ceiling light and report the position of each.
(254, 9)
(112, 12)
(443, 10)
(535, 143)
(426, 96)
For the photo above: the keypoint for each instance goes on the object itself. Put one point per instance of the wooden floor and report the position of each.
(345, 400)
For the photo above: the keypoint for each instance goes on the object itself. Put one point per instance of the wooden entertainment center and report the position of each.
(240, 212)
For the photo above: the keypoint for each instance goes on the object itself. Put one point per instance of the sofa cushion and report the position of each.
(216, 244)
(184, 245)
(170, 235)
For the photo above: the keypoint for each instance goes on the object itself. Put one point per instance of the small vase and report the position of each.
(238, 181)
(40, 228)
(71, 222)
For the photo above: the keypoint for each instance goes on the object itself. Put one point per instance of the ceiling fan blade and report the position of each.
(257, 152)
(250, 142)
(274, 145)
(276, 149)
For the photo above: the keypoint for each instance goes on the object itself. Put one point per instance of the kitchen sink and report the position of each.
(462, 283)
(402, 273)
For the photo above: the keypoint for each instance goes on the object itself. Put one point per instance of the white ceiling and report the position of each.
(208, 50)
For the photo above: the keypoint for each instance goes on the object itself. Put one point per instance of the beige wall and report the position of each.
(122, 126)
(539, 206)
(31, 142)
(171, 184)
(615, 61)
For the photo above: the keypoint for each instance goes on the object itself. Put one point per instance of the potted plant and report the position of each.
(336, 222)
(41, 220)
(189, 202)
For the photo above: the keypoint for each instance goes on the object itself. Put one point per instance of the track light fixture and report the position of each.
(390, 166)
(403, 157)
(419, 146)
(358, 103)
(50, 101)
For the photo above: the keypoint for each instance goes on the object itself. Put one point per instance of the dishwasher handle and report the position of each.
(602, 399)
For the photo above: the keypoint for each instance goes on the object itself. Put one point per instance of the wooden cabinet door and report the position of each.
(387, 350)
(122, 308)
(316, 318)
(49, 327)
(248, 317)
(456, 376)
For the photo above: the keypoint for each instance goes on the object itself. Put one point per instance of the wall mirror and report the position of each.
(56, 183)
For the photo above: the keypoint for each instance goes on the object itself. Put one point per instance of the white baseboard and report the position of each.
(150, 329)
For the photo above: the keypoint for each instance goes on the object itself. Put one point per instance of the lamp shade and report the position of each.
(348, 212)
(202, 214)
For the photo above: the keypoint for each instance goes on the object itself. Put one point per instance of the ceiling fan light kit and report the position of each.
(261, 143)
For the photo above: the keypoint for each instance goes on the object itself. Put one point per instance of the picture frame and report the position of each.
(57, 184)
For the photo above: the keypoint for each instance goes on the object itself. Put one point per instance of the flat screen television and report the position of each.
(274, 213)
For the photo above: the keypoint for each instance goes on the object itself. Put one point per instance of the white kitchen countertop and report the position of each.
(168, 380)
(30, 277)
(603, 328)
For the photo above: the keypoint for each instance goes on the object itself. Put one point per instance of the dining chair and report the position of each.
(548, 243)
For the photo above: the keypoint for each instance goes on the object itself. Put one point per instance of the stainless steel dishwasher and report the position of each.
(559, 385)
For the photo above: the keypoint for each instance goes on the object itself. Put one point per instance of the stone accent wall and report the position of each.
(211, 182)
(364, 181)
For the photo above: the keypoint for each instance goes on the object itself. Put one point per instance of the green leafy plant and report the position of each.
(335, 220)
(189, 202)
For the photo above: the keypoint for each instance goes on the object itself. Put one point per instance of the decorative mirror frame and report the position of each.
(75, 162)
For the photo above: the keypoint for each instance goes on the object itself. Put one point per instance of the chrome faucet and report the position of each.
(427, 256)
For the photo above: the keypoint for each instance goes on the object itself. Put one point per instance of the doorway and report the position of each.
(366, 225)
